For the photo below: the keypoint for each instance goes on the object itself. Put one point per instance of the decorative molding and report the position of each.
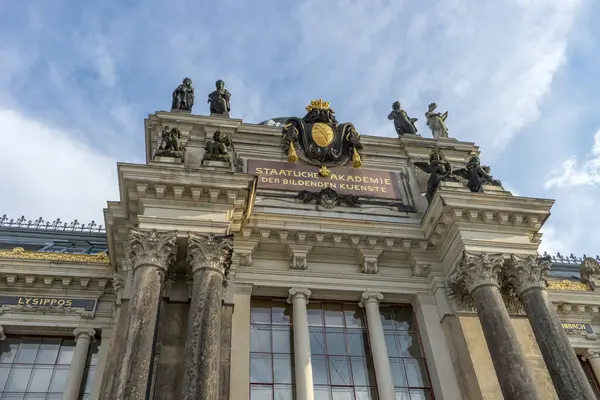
(568, 285)
(525, 273)
(22, 308)
(56, 225)
(296, 293)
(152, 248)
(420, 270)
(91, 333)
(210, 252)
(20, 253)
(370, 297)
(369, 262)
(299, 256)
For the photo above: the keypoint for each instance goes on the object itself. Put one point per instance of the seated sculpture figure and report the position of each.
(170, 144)
(219, 149)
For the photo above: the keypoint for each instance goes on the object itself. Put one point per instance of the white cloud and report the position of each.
(49, 173)
(551, 243)
(570, 174)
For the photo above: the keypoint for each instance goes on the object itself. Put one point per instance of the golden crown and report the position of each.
(317, 105)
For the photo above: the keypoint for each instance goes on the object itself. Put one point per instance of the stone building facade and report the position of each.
(252, 272)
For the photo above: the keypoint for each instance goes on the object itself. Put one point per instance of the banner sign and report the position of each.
(297, 177)
(576, 327)
(52, 302)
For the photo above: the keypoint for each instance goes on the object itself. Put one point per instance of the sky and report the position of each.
(518, 77)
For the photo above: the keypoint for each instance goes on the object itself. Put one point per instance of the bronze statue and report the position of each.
(439, 169)
(183, 96)
(170, 144)
(437, 122)
(402, 122)
(219, 149)
(477, 175)
(219, 100)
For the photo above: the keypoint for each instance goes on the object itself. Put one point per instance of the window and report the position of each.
(409, 372)
(341, 359)
(591, 377)
(271, 350)
(35, 368)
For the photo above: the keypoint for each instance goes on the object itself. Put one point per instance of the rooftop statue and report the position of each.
(437, 122)
(319, 139)
(402, 122)
(170, 144)
(219, 100)
(477, 175)
(183, 96)
(439, 169)
(219, 149)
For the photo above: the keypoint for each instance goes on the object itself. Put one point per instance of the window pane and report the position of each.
(94, 351)
(322, 393)
(317, 341)
(402, 394)
(353, 316)
(386, 317)
(281, 313)
(319, 370)
(362, 372)
(284, 392)
(48, 352)
(420, 395)
(59, 380)
(403, 318)
(342, 393)
(336, 342)
(13, 397)
(35, 397)
(40, 379)
(66, 352)
(333, 315)
(260, 339)
(416, 373)
(9, 349)
(261, 392)
(282, 368)
(282, 340)
(398, 374)
(18, 379)
(27, 351)
(409, 345)
(4, 371)
(89, 380)
(260, 312)
(391, 344)
(339, 370)
(261, 370)
(356, 343)
(315, 314)
(365, 393)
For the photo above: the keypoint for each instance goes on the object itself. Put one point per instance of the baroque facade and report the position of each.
(297, 259)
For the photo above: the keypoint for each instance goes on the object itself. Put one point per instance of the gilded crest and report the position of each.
(319, 139)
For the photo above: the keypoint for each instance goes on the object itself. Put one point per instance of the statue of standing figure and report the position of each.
(437, 122)
(219, 100)
(183, 96)
(402, 122)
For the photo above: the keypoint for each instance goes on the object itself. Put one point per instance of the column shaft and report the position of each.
(509, 361)
(381, 362)
(302, 359)
(562, 363)
(83, 339)
(202, 347)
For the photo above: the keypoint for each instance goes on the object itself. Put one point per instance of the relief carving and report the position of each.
(210, 252)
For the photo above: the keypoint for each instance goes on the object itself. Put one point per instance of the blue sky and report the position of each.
(518, 77)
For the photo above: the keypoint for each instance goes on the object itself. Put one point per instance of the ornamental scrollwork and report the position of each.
(210, 252)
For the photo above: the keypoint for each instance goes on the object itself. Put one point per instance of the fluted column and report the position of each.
(302, 364)
(529, 275)
(593, 357)
(478, 276)
(210, 259)
(83, 338)
(151, 254)
(383, 372)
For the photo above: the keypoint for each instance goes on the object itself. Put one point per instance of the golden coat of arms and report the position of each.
(319, 139)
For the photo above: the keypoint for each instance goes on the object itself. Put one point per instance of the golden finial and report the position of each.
(324, 171)
(292, 156)
(317, 105)
(356, 161)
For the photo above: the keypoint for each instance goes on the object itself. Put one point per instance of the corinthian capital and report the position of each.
(210, 252)
(476, 270)
(152, 248)
(524, 273)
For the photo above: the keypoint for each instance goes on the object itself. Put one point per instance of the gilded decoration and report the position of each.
(568, 285)
(20, 253)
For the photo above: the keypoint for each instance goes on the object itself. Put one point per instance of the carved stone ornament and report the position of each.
(183, 96)
(319, 139)
(47, 309)
(525, 273)
(295, 293)
(370, 297)
(369, 266)
(210, 252)
(328, 198)
(403, 124)
(219, 100)
(91, 333)
(420, 270)
(20, 253)
(439, 170)
(152, 248)
(590, 272)
(220, 148)
(472, 271)
(477, 175)
(299, 262)
(171, 144)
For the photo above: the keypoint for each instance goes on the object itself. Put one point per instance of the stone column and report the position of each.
(528, 276)
(383, 372)
(593, 357)
(477, 277)
(83, 338)
(302, 363)
(210, 259)
(151, 254)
